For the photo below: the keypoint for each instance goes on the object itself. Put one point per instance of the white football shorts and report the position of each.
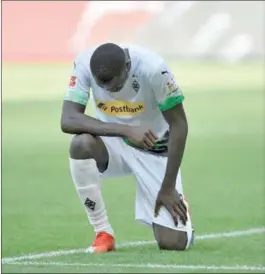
(149, 171)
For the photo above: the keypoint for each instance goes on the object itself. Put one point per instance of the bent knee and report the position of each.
(172, 244)
(82, 146)
(170, 239)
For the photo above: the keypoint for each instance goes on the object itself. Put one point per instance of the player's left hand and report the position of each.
(173, 203)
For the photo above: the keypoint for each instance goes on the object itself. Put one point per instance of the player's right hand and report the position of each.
(142, 137)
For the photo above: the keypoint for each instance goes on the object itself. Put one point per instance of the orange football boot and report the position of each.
(104, 242)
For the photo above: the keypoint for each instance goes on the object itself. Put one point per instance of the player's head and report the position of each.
(109, 65)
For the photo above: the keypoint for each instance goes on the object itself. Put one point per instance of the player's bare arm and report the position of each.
(169, 98)
(178, 130)
(75, 121)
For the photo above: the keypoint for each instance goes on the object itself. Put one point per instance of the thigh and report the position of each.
(149, 171)
(117, 166)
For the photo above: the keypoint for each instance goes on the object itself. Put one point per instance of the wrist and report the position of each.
(168, 183)
(125, 131)
(168, 187)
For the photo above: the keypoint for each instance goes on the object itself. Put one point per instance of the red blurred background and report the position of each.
(53, 31)
(35, 31)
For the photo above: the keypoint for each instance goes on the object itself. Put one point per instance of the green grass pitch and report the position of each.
(223, 176)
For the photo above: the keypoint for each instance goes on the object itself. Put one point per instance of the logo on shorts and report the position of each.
(90, 204)
(120, 108)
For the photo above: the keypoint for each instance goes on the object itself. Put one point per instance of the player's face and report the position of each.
(116, 83)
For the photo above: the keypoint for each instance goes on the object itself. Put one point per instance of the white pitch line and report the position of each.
(128, 244)
(164, 266)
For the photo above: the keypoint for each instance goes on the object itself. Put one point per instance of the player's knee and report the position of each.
(82, 146)
(172, 244)
(170, 239)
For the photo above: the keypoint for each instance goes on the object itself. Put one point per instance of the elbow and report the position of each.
(66, 124)
(64, 128)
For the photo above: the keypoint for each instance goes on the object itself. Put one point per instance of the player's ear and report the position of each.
(128, 66)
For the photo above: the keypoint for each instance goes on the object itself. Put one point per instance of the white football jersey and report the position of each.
(149, 90)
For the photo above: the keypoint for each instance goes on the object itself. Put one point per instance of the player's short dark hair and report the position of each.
(107, 61)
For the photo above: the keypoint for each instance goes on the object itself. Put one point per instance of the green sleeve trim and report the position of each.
(157, 145)
(126, 141)
(76, 98)
(170, 102)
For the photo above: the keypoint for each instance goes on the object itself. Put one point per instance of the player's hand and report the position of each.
(173, 202)
(142, 137)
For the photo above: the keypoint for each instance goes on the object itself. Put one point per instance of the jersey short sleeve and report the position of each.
(79, 84)
(166, 90)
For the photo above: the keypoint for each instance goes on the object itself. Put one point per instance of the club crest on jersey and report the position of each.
(72, 82)
(135, 85)
(120, 108)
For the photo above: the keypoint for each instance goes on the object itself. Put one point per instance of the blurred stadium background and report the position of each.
(216, 49)
(226, 30)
